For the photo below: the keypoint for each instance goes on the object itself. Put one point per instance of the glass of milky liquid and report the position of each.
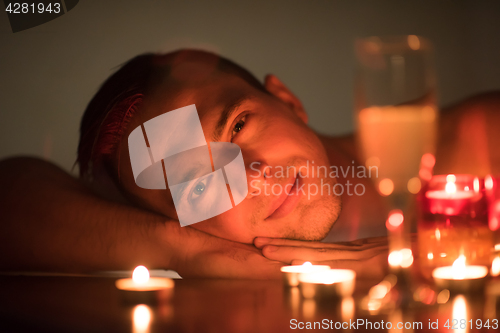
(396, 118)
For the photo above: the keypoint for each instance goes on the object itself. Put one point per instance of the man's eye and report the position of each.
(199, 188)
(238, 127)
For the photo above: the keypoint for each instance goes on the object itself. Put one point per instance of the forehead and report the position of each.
(212, 96)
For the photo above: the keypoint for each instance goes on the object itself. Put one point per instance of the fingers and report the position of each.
(287, 254)
(260, 242)
(360, 244)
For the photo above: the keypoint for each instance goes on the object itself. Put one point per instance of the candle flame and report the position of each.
(307, 264)
(450, 188)
(437, 233)
(140, 275)
(488, 182)
(458, 268)
(476, 184)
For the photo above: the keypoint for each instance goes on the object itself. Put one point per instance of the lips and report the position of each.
(287, 201)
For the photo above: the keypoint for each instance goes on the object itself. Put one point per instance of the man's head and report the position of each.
(266, 121)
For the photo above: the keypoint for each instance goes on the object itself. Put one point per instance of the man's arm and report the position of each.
(52, 221)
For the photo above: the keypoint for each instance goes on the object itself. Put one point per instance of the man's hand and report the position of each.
(368, 257)
(203, 255)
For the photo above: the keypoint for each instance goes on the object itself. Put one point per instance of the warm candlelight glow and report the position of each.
(443, 296)
(460, 271)
(395, 218)
(454, 221)
(395, 258)
(425, 174)
(494, 224)
(291, 273)
(306, 267)
(460, 311)
(330, 276)
(495, 267)
(141, 282)
(328, 283)
(347, 308)
(458, 268)
(488, 182)
(400, 258)
(450, 188)
(140, 275)
(141, 318)
(428, 160)
(308, 308)
(413, 42)
(453, 198)
(406, 258)
(386, 186)
(295, 299)
(476, 184)
(379, 291)
(414, 185)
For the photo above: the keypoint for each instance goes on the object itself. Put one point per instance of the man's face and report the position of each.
(279, 150)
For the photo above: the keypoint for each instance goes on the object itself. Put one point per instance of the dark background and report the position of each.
(49, 73)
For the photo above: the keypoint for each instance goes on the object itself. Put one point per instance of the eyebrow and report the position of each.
(226, 115)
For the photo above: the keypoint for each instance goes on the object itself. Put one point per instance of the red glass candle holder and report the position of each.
(492, 189)
(453, 221)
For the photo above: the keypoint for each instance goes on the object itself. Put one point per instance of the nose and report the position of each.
(257, 174)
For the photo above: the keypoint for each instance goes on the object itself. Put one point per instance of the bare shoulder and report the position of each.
(27, 165)
(23, 173)
(469, 136)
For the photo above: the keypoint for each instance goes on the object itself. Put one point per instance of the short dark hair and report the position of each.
(109, 112)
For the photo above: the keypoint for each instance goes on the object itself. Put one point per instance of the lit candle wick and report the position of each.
(140, 275)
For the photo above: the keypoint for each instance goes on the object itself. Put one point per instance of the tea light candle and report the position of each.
(451, 200)
(459, 276)
(291, 273)
(327, 283)
(143, 288)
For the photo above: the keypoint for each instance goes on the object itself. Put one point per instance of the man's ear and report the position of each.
(276, 88)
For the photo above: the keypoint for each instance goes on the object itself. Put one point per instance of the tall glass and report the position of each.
(396, 118)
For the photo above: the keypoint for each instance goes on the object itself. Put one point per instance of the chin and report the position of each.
(316, 220)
